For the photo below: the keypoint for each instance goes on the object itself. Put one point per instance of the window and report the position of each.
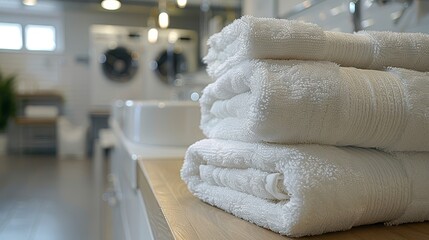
(40, 38)
(37, 37)
(11, 36)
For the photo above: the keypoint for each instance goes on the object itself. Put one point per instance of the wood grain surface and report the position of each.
(40, 94)
(33, 121)
(189, 218)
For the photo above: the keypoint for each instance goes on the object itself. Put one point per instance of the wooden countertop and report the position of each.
(174, 213)
(41, 95)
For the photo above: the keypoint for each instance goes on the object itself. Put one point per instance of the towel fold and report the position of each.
(322, 188)
(264, 38)
(252, 181)
(318, 102)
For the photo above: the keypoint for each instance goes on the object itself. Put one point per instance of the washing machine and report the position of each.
(174, 53)
(124, 65)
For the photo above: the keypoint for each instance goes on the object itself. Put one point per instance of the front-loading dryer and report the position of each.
(115, 64)
(174, 53)
(123, 63)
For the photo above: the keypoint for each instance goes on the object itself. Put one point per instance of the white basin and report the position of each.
(162, 123)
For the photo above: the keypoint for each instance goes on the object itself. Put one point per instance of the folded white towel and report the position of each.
(318, 102)
(265, 38)
(328, 188)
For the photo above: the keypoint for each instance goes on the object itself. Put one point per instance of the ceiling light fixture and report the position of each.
(181, 3)
(163, 20)
(152, 35)
(111, 4)
(29, 2)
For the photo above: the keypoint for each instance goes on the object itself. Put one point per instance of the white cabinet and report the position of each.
(129, 213)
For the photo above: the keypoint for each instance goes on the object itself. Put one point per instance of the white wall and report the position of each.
(268, 8)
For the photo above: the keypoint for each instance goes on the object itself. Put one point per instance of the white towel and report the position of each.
(265, 38)
(318, 102)
(329, 188)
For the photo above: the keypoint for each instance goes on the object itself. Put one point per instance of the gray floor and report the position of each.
(45, 198)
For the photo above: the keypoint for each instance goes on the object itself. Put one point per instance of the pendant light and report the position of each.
(111, 4)
(152, 35)
(181, 3)
(29, 2)
(163, 18)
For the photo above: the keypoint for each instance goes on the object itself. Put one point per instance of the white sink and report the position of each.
(162, 123)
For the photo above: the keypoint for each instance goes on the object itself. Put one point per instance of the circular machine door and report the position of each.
(119, 64)
(170, 63)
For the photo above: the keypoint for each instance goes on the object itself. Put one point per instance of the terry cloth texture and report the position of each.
(328, 188)
(265, 38)
(293, 102)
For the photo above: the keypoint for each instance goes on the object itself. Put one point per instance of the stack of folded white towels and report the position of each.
(311, 131)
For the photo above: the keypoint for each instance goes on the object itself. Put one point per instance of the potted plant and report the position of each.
(7, 105)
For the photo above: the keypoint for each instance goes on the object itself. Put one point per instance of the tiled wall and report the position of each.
(334, 15)
(34, 70)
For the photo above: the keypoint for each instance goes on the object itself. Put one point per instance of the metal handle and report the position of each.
(113, 194)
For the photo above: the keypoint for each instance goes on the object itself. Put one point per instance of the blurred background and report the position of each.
(63, 64)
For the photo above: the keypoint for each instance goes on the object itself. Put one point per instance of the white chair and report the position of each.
(71, 139)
